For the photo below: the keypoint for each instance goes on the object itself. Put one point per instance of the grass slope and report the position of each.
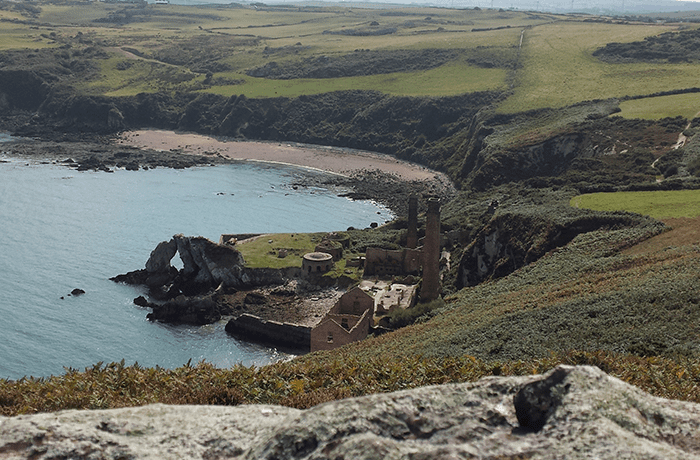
(558, 68)
(660, 205)
(656, 108)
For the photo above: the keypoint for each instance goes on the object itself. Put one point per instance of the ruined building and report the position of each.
(430, 290)
(386, 262)
(412, 236)
(348, 321)
(316, 262)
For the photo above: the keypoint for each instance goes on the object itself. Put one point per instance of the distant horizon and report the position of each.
(594, 7)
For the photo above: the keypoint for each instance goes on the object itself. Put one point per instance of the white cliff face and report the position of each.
(572, 412)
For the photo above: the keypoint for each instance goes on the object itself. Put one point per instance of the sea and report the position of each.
(62, 229)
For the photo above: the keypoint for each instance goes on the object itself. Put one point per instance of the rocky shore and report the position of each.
(365, 176)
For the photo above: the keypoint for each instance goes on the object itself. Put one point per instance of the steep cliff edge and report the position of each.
(514, 238)
(461, 135)
(570, 412)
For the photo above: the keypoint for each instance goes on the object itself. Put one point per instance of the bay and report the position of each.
(63, 229)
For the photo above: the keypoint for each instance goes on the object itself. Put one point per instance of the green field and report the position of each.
(656, 108)
(447, 80)
(558, 68)
(263, 252)
(666, 204)
(177, 44)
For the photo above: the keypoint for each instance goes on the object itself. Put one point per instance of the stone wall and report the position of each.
(330, 333)
(382, 262)
(259, 330)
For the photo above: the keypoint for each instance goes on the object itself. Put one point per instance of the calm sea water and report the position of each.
(63, 229)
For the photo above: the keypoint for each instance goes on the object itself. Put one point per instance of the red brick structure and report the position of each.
(430, 290)
(348, 321)
(412, 235)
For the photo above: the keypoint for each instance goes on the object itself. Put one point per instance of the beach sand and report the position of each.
(331, 159)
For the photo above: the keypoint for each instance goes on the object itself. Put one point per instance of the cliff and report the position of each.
(461, 135)
(570, 412)
(518, 233)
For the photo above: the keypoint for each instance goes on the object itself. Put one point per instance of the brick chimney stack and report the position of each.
(430, 289)
(412, 236)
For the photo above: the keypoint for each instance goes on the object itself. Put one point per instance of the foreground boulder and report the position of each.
(572, 412)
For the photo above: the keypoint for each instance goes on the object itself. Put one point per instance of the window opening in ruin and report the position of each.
(344, 323)
(330, 337)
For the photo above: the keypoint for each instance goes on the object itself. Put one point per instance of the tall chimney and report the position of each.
(412, 236)
(431, 253)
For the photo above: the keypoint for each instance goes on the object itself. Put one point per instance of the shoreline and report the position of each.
(354, 174)
(335, 160)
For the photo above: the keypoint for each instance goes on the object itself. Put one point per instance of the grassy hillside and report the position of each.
(558, 67)
(219, 49)
(655, 108)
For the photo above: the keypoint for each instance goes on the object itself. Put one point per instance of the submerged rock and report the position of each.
(589, 415)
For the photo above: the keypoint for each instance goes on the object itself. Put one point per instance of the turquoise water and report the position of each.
(63, 229)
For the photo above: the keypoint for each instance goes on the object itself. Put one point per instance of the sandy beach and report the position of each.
(331, 159)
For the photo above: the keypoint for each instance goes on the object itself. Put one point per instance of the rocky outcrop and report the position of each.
(572, 412)
(199, 310)
(512, 239)
(191, 295)
(22, 90)
(206, 265)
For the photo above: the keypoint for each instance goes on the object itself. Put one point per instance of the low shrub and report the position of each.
(316, 378)
(401, 318)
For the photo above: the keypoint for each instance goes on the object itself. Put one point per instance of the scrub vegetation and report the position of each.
(531, 115)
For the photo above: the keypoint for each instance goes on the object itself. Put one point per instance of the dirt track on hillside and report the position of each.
(684, 232)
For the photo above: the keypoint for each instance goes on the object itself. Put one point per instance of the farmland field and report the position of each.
(558, 68)
(666, 204)
(173, 48)
(654, 108)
